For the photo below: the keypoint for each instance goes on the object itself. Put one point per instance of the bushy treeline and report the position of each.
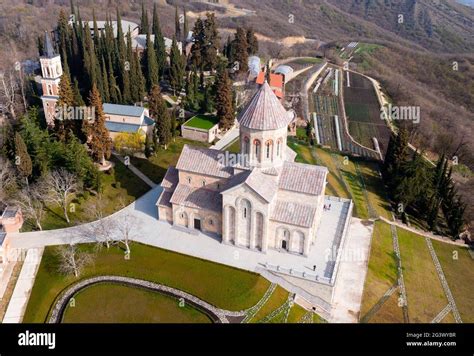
(426, 192)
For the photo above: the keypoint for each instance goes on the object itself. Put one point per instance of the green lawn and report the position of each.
(356, 179)
(234, 147)
(113, 303)
(222, 286)
(204, 122)
(121, 187)
(296, 313)
(155, 167)
(457, 266)
(277, 299)
(381, 275)
(357, 112)
(424, 291)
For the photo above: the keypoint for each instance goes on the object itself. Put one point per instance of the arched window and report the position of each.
(279, 147)
(268, 145)
(203, 182)
(246, 145)
(245, 213)
(189, 180)
(257, 149)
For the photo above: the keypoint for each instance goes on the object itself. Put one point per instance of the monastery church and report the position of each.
(266, 201)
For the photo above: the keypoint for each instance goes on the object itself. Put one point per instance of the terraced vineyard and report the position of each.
(363, 112)
(324, 102)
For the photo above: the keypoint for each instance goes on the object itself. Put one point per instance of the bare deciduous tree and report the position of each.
(31, 201)
(10, 93)
(101, 230)
(127, 227)
(72, 260)
(61, 186)
(6, 177)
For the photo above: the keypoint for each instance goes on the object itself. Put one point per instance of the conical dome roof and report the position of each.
(264, 111)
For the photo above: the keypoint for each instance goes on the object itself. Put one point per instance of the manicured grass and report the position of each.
(234, 147)
(335, 181)
(120, 188)
(354, 182)
(112, 303)
(155, 167)
(390, 312)
(424, 291)
(222, 286)
(296, 313)
(382, 272)
(277, 299)
(458, 273)
(204, 122)
(376, 191)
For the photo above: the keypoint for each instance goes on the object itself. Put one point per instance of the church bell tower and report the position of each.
(51, 70)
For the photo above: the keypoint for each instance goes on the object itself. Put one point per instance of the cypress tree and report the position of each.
(105, 81)
(177, 67)
(113, 87)
(144, 20)
(177, 23)
(24, 166)
(63, 124)
(159, 45)
(252, 42)
(240, 50)
(159, 112)
(196, 57)
(151, 64)
(99, 140)
(211, 42)
(78, 101)
(185, 27)
(223, 100)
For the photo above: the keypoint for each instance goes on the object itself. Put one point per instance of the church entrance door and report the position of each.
(283, 244)
(197, 224)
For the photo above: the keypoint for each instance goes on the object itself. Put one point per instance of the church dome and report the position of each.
(264, 111)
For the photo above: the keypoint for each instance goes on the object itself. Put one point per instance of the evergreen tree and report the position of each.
(99, 140)
(196, 58)
(63, 125)
(211, 44)
(396, 155)
(105, 82)
(252, 42)
(185, 27)
(139, 79)
(150, 63)
(113, 87)
(23, 163)
(223, 99)
(78, 101)
(144, 20)
(177, 67)
(159, 45)
(240, 50)
(159, 112)
(177, 23)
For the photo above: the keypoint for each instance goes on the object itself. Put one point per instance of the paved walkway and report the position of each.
(349, 287)
(229, 137)
(19, 300)
(136, 171)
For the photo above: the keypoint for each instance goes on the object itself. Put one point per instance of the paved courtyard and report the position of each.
(162, 234)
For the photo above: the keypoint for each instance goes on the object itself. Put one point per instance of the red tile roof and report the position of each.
(276, 80)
